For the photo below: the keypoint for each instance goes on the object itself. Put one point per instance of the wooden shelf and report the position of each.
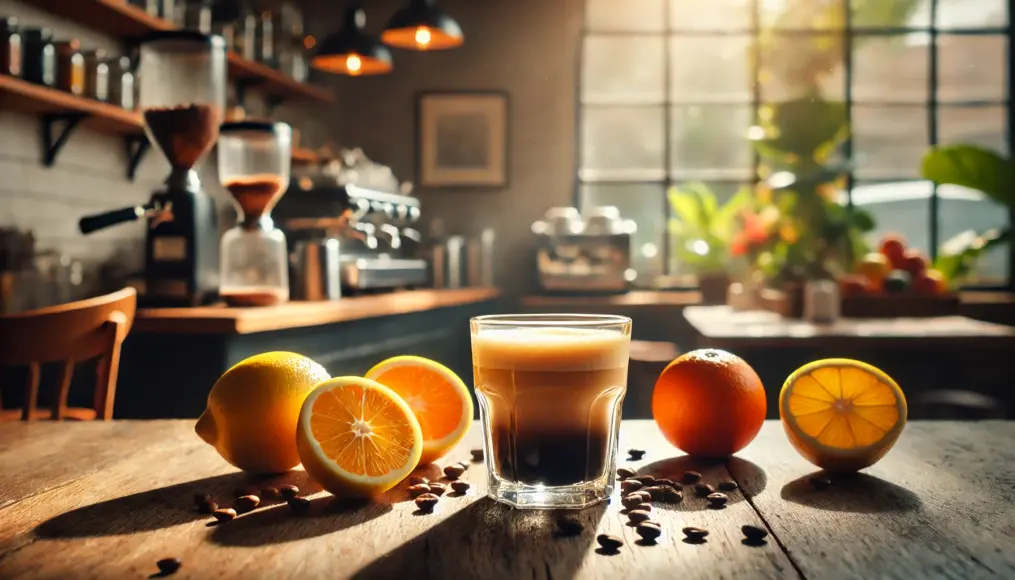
(118, 18)
(26, 97)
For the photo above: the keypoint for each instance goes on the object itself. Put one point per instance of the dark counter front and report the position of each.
(173, 356)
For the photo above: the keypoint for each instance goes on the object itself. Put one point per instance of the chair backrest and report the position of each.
(70, 333)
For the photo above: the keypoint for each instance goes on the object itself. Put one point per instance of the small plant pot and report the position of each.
(713, 288)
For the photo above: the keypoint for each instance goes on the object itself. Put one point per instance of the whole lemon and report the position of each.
(254, 407)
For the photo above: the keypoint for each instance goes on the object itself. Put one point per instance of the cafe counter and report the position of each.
(173, 356)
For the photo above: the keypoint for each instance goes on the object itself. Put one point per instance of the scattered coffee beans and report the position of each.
(454, 471)
(695, 534)
(669, 483)
(631, 501)
(168, 566)
(636, 454)
(299, 505)
(754, 533)
(717, 500)
(645, 480)
(460, 486)
(224, 514)
(658, 492)
(246, 503)
(438, 488)
(288, 491)
(728, 485)
(649, 530)
(419, 489)
(672, 496)
(568, 527)
(820, 482)
(691, 477)
(426, 502)
(207, 507)
(477, 454)
(639, 515)
(703, 489)
(630, 486)
(417, 480)
(645, 496)
(200, 498)
(269, 493)
(624, 473)
(609, 543)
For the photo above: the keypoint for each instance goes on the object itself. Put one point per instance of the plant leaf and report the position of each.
(972, 167)
(685, 207)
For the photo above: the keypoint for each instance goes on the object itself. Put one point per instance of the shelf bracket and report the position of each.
(56, 130)
(136, 147)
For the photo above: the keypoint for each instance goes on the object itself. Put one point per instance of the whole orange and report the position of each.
(709, 403)
(893, 246)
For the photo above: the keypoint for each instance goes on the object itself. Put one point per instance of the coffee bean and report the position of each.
(629, 486)
(645, 479)
(672, 496)
(639, 515)
(200, 498)
(288, 491)
(269, 493)
(426, 502)
(669, 483)
(417, 480)
(658, 492)
(624, 473)
(246, 503)
(645, 496)
(463, 465)
(460, 486)
(438, 488)
(754, 533)
(728, 485)
(418, 490)
(631, 501)
(299, 505)
(820, 482)
(168, 566)
(691, 477)
(703, 489)
(207, 507)
(454, 471)
(477, 454)
(224, 514)
(717, 500)
(694, 533)
(636, 454)
(569, 527)
(609, 543)
(649, 530)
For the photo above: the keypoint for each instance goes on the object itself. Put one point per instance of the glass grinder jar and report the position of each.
(254, 160)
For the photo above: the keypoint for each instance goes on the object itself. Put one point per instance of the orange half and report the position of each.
(357, 437)
(437, 396)
(842, 414)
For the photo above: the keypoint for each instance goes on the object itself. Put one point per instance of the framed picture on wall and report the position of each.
(462, 139)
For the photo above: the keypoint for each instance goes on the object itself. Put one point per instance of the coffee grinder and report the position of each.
(254, 160)
(182, 78)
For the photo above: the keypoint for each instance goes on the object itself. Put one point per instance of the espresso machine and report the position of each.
(182, 78)
(588, 254)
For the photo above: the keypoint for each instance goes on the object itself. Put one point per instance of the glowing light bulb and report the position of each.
(353, 64)
(423, 36)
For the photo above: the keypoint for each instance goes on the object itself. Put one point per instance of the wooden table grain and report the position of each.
(108, 500)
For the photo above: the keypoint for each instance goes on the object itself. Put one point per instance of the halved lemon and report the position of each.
(439, 399)
(356, 437)
(842, 414)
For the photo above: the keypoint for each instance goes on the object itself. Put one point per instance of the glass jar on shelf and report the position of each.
(254, 165)
(70, 67)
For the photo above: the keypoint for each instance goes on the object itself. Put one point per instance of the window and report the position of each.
(669, 89)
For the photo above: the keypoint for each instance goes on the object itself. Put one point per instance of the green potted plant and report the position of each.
(700, 235)
(985, 171)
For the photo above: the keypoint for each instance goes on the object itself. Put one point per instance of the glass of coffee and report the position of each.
(550, 389)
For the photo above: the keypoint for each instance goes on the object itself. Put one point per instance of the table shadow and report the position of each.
(856, 493)
(163, 507)
(278, 524)
(751, 479)
(489, 539)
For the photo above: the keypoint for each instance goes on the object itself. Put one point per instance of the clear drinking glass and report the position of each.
(550, 390)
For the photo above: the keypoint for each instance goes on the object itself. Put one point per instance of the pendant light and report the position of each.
(351, 51)
(422, 26)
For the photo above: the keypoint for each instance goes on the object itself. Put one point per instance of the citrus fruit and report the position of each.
(853, 285)
(357, 438)
(874, 266)
(438, 398)
(253, 409)
(893, 247)
(842, 414)
(914, 262)
(709, 403)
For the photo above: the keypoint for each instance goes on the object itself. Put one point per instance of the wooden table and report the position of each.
(107, 500)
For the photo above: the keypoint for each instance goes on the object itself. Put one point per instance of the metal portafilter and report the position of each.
(101, 221)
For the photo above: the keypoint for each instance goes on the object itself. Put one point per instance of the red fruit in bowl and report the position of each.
(893, 246)
(853, 285)
(914, 262)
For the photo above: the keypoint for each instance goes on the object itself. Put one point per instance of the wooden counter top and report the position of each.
(693, 297)
(223, 320)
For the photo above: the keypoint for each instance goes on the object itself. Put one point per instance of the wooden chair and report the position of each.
(68, 333)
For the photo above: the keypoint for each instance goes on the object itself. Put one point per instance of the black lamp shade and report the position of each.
(422, 26)
(351, 51)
